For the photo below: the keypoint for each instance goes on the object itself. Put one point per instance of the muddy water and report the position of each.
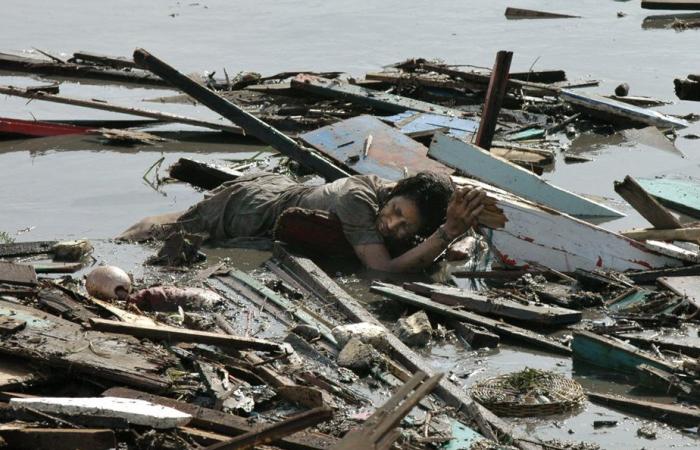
(76, 187)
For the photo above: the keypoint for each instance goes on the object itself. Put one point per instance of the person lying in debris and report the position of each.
(375, 214)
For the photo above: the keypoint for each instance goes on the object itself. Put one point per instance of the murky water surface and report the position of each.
(60, 188)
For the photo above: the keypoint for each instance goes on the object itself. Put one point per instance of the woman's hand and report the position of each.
(463, 210)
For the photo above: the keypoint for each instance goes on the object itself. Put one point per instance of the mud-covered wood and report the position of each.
(22, 274)
(676, 415)
(18, 438)
(26, 248)
(117, 358)
(225, 423)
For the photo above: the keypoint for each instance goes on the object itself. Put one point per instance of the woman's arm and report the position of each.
(462, 211)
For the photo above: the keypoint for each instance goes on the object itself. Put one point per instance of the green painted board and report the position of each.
(637, 297)
(611, 354)
(681, 195)
(463, 437)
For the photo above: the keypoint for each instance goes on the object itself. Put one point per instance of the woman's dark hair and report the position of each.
(431, 192)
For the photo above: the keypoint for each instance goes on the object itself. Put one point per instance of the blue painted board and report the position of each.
(463, 437)
(415, 124)
(681, 195)
(390, 155)
(478, 163)
(606, 106)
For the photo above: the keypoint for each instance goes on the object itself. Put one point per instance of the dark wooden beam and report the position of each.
(494, 98)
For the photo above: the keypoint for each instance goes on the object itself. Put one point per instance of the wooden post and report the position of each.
(646, 205)
(251, 124)
(494, 98)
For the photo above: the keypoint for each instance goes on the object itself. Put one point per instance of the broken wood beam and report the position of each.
(476, 336)
(26, 248)
(225, 423)
(519, 13)
(19, 438)
(678, 234)
(671, 4)
(251, 124)
(271, 433)
(494, 99)
(504, 330)
(645, 204)
(22, 274)
(173, 334)
(117, 62)
(104, 106)
(650, 276)
(676, 415)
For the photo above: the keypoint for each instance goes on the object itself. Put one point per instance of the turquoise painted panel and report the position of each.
(414, 123)
(633, 298)
(683, 195)
(611, 357)
(463, 437)
(478, 163)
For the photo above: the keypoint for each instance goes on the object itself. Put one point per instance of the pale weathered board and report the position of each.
(416, 124)
(597, 105)
(688, 287)
(480, 164)
(12, 273)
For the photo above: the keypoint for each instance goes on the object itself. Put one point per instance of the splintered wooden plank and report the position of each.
(479, 163)
(12, 273)
(499, 307)
(671, 4)
(681, 195)
(611, 109)
(168, 333)
(645, 204)
(367, 97)
(64, 345)
(134, 411)
(504, 330)
(390, 153)
(26, 248)
(417, 124)
(611, 354)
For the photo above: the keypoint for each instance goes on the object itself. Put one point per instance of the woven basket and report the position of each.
(546, 393)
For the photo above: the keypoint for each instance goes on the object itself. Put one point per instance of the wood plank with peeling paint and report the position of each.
(681, 195)
(479, 163)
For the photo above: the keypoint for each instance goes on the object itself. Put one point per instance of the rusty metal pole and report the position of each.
(494, 98)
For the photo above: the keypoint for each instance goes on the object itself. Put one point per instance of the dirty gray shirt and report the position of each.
(250, 205)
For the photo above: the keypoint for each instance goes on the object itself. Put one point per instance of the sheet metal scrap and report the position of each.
(379, 431)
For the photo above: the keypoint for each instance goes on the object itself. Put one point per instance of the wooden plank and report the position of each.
(611, 354)
(251, 124)
(226, 423)
(681, 195)
(26, 248)
(381, 101)
(273, 432)
(104, 106)
(308, 274)
(671, 4)
(61, 305)
(688, 287)
(519, 13)
(22, 274)
(494, 99)
(645, 204)
(504, 330)
(678, 234)
(118, 62)
(676, 415)
(57, 439)
(606, 108)
(686, 345)
(117, 358)
(390, 153)
(478, 163)
(667, 20)
(647, 276)
(172, 334)
(504, 308)
(666, 248)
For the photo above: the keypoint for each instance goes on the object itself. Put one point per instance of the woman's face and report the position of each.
(399, 219)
